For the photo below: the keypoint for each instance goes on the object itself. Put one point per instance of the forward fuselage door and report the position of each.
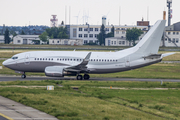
(127, 61)
(27, 59)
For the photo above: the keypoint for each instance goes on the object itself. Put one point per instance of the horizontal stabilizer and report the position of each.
(153, 56)
(167, 54)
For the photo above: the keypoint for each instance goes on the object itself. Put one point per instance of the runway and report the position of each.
(14, 78)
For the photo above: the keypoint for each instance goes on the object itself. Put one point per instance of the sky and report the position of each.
(38, 12)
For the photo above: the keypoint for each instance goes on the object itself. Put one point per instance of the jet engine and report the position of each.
(57, 71)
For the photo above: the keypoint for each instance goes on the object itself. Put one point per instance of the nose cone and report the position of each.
(5, 63)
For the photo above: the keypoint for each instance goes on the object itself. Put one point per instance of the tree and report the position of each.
(22, 33)
(102, 35)
(111, 34)
(132, 35)
(44, 37)
(57, 32)
(6, 37)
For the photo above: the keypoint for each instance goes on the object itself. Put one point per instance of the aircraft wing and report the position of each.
(80, 67)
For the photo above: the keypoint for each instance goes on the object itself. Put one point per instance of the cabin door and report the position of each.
(27, 59)
(127, 61)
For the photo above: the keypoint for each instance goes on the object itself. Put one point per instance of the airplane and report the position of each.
(76, 63)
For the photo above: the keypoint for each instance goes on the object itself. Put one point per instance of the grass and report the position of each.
(92, 102)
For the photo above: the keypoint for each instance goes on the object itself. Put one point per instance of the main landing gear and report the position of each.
(23, 76)
(80, 77)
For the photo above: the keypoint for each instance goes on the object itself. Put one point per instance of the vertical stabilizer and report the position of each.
(151, 41)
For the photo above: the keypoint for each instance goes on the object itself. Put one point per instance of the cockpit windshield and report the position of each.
(14, 58)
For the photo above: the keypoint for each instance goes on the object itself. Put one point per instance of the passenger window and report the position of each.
(99, 59)
(46, 58)
(77, 59)
(49, 59)
(34, 58)
(37, 58)
(102, 60)
(43, 58)
(105, 60)
(58, 59)
(40, 58)
(52, 59)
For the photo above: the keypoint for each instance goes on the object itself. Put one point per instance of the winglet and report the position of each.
(87, 57)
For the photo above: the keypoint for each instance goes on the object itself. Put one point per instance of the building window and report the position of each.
(57, 41)
(91, 29)
(107, 29)
(123, 32)
(169, 33)
(177, 40)
(96, 29)
(85, 29)
(122, 36)
(169, 40)
(120, 42)
(95, 35)
(177, 33)
(115, 42)
(74, 32)
(174, 33)
(91, 41)
(19, 41)
(173, 40)
(80, 35)
(53, 41)
(112, 42)
(165, 39)
(117, 32)
(90, 35)
(85, 35)
(80, 29)
(123, 42)
(85, 41)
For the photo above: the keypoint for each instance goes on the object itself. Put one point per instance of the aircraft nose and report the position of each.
(5, 63)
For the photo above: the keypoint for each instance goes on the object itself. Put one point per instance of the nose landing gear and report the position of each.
(23, 76)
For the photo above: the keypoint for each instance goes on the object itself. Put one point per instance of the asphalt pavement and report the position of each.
(14, 78)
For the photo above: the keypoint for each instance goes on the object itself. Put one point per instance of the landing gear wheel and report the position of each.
(79, 77)
(23, 76)
(86, 77)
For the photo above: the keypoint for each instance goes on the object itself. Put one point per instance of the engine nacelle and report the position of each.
(54, 71)
(57, 71)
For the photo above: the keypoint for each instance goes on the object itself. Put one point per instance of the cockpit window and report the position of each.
(14, 58)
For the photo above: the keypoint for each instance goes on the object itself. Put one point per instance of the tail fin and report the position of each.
(151, 41)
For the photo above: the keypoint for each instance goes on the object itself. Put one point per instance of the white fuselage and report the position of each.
(99, 62)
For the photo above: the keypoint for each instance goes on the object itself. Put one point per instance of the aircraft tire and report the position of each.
(79, 77)
(86, 77)
(23, 76)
